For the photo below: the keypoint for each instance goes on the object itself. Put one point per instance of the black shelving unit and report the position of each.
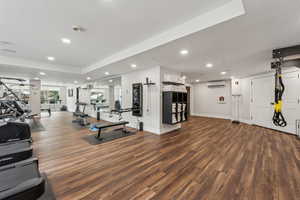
(174, 107)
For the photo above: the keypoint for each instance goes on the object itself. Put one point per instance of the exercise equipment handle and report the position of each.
(278, 118)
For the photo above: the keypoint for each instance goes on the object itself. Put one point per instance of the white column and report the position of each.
(111, 94)
(35, 97)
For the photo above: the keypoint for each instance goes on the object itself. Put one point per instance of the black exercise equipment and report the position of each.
(12, 152)
(14, 131)
(278, 118)
(10, 109)
(21, 181)
(100, 127)
(284, 57)
(81, 116)
(10, 91)
(11, 106)
(98, 107)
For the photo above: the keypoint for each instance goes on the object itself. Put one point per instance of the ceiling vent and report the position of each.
(8, 50)
(78, 29)
(5, 43)
(216, 84)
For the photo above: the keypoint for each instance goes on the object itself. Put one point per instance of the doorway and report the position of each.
(262, 108)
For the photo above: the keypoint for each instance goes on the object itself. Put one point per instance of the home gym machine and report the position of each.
(11, 106)
(284, 57)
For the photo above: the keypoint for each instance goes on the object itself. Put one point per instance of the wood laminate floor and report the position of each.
(208, 159)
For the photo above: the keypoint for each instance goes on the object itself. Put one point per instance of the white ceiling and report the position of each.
(241, 46)
(36, 27)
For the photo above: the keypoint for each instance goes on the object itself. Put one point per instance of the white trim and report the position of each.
(170, 130)
(246, 121)
(26, 63)
(221, 14)
(211, 116)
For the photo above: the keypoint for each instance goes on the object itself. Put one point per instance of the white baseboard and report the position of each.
(212, 116)
(246, 121)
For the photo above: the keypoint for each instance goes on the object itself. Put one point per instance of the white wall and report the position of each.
(205, 101)
(150, 118)
(152, 99)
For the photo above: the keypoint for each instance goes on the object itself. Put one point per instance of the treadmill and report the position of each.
(14, 131)
(12, 152)
(21, 181)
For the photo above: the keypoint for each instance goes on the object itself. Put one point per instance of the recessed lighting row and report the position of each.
(64, 41)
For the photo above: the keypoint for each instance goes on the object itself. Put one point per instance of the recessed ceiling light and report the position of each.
(75, 82)
(184, 77)
(133, 65)
(42, 73)
(209, 65)
(37, 78)
(223, 73)
(50, 58)
(106, 73)
(88, 78)
(66, 40)
(197, 80)
(110, 81)
(184, 52)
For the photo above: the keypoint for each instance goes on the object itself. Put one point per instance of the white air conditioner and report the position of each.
(213, 84)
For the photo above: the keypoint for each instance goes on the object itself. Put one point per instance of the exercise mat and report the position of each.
(107, 136)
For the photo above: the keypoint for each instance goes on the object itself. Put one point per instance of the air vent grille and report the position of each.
(8, 50)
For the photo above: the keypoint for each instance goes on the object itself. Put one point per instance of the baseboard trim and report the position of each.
(221, 117)
(212, 116)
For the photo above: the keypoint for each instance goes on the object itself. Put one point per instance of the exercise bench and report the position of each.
(103, 126)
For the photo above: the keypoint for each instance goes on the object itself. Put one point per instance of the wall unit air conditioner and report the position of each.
(214, 84)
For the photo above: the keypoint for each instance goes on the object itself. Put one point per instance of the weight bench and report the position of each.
(103, 126)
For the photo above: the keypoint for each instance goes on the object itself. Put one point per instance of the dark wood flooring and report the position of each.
(208, 159)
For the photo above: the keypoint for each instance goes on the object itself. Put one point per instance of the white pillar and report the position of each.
(35, 97)
(111, 94)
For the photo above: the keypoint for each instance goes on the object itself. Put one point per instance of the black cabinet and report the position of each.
(175, 107)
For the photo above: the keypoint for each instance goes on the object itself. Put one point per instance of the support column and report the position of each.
(35, 97)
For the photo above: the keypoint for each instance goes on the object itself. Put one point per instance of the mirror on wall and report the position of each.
(107, 92)
(98, 96)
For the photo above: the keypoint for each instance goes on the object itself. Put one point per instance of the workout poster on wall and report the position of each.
(221, 100)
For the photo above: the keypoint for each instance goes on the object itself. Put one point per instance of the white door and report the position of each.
(263, 95)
